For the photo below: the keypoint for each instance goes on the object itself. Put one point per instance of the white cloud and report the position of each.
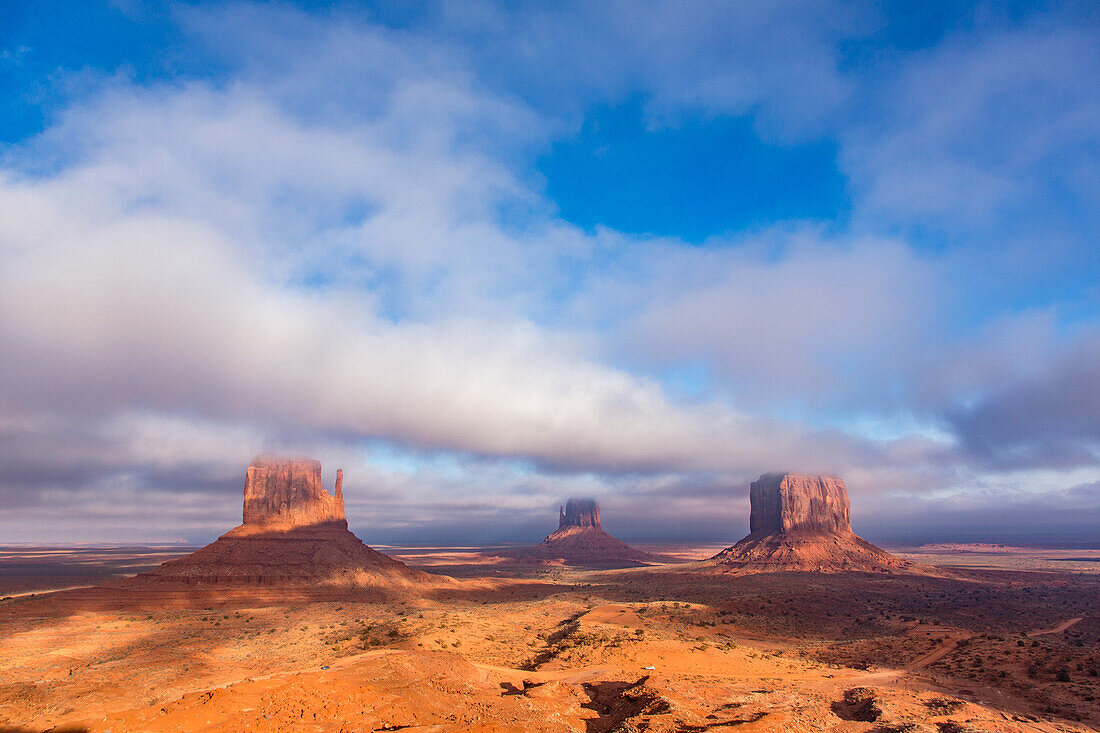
(149, 277)
(792, 313)
(980, 129)
(340, 242)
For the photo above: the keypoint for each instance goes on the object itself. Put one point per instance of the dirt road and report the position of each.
(1055, 629)
(950, 643)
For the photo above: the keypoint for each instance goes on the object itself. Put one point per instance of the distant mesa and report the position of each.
(803, 522)
(580, 540)
(293, 533)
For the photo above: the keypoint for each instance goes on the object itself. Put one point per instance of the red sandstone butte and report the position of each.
(580, 540)
(579, 513)
(287, 492)
(801, 522)
(788, 502)
(294, 533)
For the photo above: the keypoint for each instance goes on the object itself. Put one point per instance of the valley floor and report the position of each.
(555, 649)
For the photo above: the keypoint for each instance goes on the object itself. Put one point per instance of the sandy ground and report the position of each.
(659, 649)
(25, 570)
(1002, 557)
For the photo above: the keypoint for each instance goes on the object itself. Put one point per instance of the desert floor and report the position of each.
(665, 648)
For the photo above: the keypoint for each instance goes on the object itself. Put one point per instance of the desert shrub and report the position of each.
(858, 704)
(943, 705)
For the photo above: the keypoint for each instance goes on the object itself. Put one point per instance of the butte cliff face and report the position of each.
(791, 502)
(294, 533)
(579, 513)
(287, 492)
(580, 540)
(803, 522)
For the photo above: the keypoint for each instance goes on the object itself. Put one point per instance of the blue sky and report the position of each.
(485, 256)
(700, 178)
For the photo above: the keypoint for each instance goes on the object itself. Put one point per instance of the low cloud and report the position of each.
(995, 513)
(1048, 420)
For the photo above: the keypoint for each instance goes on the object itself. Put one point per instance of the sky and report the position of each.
(485, 256)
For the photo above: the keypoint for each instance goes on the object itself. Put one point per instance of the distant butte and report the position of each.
(802, 522)
(293, 533)
(580, 540)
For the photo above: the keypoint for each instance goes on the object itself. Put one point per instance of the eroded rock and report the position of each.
(294, 533)
(579, 513)
(580, 540)
(803, 522)
(287, 492)
(792, 502)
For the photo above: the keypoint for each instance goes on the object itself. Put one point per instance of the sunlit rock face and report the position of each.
(802, 523)
(579, 513)
(791, 502)
(294, 533)
(287, 492)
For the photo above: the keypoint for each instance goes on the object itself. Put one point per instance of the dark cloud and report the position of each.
(1051, 420)
(1065, 517)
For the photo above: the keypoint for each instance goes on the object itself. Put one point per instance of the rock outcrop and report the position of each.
(580, 540)
(579, 513)
(294, 533)
(789, 502)
(287, 492)
(800, 522)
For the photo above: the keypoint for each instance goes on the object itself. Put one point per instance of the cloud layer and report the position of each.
(334, 241)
